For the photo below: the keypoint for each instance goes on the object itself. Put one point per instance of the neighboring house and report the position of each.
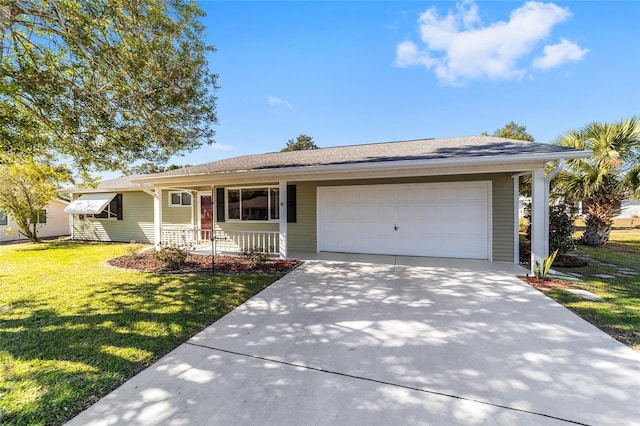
(629, 209)
(450, 197)
(52, 222)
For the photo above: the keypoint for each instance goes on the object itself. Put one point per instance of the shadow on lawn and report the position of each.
(75, 359)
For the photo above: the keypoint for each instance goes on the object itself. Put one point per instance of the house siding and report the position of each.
(178, 215)
(57, 224)
(136, 223)
(302, 235)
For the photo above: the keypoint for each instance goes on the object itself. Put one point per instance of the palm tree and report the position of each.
(602, 181)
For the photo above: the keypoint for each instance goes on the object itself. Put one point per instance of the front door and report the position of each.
(206, 217)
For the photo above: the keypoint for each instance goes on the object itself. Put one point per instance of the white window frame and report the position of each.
(170, 201)
(268, 188)
(5, 218)
(91, 216)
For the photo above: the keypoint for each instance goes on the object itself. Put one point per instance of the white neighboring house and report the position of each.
(53, 222)
(630, 208)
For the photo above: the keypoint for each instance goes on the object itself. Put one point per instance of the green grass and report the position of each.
(619, 315)
(72, 328)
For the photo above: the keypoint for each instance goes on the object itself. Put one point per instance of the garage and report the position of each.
(420, 219)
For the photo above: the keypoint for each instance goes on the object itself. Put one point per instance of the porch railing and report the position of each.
(225, 241)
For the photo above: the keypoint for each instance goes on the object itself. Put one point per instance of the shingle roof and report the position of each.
(422, 149)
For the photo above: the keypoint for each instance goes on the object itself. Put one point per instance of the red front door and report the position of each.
(206, 217)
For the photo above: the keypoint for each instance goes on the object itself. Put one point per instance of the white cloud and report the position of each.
(276, 101)
(458, 47)
(220, 147)
(558, 54)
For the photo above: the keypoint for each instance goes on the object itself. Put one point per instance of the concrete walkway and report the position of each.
(392, 341)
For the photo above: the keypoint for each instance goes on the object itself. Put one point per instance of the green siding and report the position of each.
(302, 234)
(178, 215)
(136, 224)
(138, 214)
(503, 210)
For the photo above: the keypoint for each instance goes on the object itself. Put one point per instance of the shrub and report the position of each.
(134, 249)
(523, 224)
(172, 257)
(561, 228)
(542, 270)
(256, 254)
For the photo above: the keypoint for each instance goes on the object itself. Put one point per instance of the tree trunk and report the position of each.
(599, 218)
(596, 234)
(33, 237)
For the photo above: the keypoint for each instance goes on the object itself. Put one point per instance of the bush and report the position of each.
(561, 228)
(134, 249)
(523, 224)
(256, 254)
(172, 257)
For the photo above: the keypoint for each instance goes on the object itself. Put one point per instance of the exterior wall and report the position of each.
(302, 234)
(136, 224)
(629, 209)
(178, 215)
(57, 224)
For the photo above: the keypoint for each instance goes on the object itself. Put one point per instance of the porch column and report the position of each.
(538, 210)
(282, 243)
(516, 219)
(157, 217)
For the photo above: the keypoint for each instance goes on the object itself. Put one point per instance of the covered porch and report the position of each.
(222, 220)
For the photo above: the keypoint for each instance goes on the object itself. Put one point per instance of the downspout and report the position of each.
(547, 185)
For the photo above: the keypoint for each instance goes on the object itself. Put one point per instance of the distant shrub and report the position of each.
(523, 224)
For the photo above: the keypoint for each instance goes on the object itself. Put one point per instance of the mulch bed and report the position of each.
(196, 263)
(546, 284)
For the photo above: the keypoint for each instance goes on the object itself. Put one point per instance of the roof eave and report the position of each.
(381, 165)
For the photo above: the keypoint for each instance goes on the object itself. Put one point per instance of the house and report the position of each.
(52, 222)
(449, 197)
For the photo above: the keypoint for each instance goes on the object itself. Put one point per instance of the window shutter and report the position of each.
(119, 206)
(219, 204)
(291, 204)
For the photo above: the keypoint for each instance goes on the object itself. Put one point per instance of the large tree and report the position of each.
(28, 185)
(606, 178)
(301, 143)
(104, 82)
(512, 130)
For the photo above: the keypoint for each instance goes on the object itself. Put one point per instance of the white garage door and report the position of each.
(426, 219)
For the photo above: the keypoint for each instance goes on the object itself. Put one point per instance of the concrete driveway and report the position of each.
(394, 341)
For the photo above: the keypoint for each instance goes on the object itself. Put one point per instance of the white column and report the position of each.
(516, 219)
(157, 217)
(214, 213)
(283, 219)
(538, 210)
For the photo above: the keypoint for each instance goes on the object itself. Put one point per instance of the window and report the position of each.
(256, 204)
(179, 199)
(4, 219)
(113, 210)
(40, 217)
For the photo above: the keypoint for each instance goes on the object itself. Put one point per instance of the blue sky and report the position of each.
(359, 72)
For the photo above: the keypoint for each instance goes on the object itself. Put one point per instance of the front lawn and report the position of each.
(72, 328)
(619, 314)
